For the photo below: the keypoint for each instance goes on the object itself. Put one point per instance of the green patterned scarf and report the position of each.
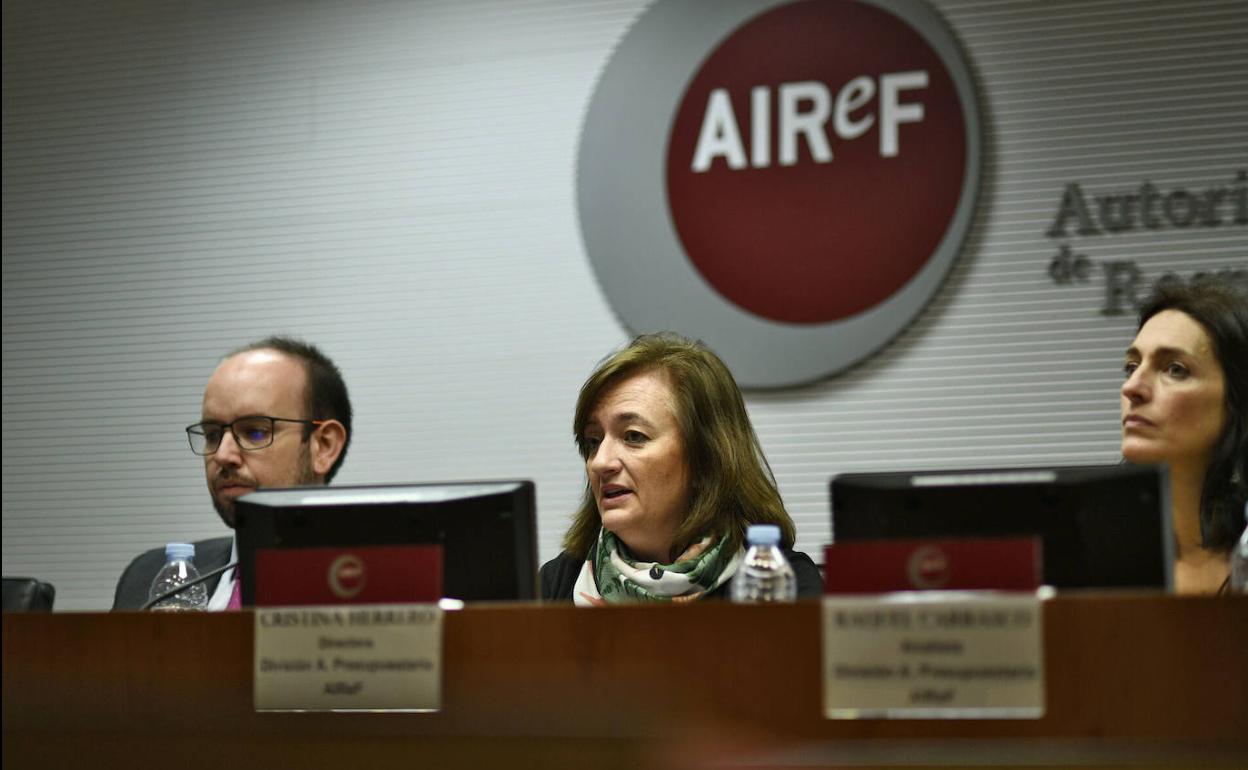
(613, 575)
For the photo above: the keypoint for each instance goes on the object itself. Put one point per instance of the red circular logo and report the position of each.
(928, 567)
(347, 576)
(816, 160)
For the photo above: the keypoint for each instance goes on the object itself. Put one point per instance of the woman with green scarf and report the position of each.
(674, 477)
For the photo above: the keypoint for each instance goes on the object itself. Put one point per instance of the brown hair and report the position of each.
(325, 395)
(1221, 308)
(732, 484)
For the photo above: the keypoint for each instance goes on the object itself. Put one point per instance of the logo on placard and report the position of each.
(346, 576)
(928, 568)
(791, 184)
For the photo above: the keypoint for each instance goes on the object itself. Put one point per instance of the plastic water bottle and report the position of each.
(179, 569)
(764, 574)
(1239, 561)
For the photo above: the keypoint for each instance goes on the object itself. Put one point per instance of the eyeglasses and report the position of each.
(250, 433)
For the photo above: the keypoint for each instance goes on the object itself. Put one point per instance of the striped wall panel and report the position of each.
(394, 181)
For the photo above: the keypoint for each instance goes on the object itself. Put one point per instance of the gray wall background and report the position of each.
(394, 181)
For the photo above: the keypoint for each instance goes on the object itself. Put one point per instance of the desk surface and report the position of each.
(1128, 678)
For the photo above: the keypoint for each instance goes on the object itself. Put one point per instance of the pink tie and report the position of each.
(236, 598)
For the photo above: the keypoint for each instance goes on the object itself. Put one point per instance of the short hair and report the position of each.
(1221, 308)
(732, 485)
(325, 395)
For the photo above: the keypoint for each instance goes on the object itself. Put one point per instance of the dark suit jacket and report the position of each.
(136, 581)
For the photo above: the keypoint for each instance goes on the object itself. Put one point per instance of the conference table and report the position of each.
(1131, 680)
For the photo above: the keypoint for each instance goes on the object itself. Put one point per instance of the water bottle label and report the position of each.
(763, 576)
(173, 575)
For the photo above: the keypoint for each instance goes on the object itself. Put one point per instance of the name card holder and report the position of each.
(348, 658)
(933, 655)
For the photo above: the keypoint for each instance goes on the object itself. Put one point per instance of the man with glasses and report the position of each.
(275, 414)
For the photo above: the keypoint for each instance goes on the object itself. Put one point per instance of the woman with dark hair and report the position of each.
(1185, 404)
(674, 476)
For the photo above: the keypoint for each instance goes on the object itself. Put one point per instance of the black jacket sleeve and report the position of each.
(558, 577)
(809, 578)
(133, 586)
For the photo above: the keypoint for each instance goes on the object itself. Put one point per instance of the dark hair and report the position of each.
(326, 393)
(732, 485)
(1222, 310)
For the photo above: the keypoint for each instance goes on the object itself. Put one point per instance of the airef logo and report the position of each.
(928, 568)
(346, 576)
(788, 181)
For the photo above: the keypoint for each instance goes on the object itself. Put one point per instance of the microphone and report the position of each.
(175, 591)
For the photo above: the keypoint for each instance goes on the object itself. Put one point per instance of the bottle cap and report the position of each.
(180, 551)
(763, 534)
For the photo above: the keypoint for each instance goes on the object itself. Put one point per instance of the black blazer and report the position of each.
(136, 581)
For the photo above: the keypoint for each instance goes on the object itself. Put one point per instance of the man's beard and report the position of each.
(304, 477)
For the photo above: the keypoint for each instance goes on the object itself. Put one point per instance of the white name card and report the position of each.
(932, 655)
(349, 658)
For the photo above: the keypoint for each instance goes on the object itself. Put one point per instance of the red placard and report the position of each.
(348, 575)
(1009, 564)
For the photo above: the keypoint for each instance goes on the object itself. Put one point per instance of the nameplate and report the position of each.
(933, 656)
(349, 658)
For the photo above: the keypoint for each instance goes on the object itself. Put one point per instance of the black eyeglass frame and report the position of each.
(191, 431)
